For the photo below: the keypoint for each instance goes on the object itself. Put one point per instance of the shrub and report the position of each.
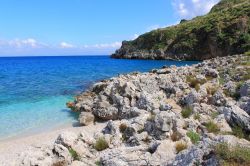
(101, 144)
(212, 127)
(98, 163)
(74, 154)
(212, 90)
(180, 146)
(123, 127)
(221, 81)
(197, 116)
(176, 136)
(238, 132)
(195, 138)
(194, 83)
(214, 114)
(146, 140)
(247, 53)
(246, 76)
(232, 155)
(186, 112)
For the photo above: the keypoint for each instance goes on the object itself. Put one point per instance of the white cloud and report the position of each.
(105, 45)
(66, 45)
(31, 46)
(191, 8)
(21, 43)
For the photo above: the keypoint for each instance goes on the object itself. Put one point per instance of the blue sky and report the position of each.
(85, 27)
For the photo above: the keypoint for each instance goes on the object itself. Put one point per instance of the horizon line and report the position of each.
(24, 56)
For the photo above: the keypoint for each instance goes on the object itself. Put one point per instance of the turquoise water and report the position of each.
(34, 90)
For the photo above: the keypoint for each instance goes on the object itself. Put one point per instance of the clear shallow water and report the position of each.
(34, 90)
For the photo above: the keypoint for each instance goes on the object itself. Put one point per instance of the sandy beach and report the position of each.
(10, 149)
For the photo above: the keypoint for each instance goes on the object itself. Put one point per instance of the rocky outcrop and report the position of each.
(169, 116)
(219, 33)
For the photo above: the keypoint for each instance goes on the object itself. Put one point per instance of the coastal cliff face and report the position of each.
(224, 31)
(185, 116)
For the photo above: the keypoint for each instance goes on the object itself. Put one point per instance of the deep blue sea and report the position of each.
(34, 90)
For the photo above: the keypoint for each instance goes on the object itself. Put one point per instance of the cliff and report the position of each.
(225, 30)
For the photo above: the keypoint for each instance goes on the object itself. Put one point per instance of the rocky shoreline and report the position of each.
(192, 115)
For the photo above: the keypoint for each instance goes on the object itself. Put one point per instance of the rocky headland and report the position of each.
(223, 31)
(192, 115)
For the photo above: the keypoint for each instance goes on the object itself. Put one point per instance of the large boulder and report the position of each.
(245, 89)
(192, 97)
(244, 104)
(218, 99)
(235, 116)
(106, 113)
(86, 118)
(196, 155)
(161, 124)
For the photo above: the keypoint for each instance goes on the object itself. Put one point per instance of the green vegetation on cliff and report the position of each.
(225, 30)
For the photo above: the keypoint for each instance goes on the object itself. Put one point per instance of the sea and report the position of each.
(34, 90)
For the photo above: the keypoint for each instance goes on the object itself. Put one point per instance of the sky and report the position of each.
(85, 27)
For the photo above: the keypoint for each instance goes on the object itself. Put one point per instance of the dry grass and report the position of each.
(101, 144)
(180, 146)
(176, 136)
(232, 155)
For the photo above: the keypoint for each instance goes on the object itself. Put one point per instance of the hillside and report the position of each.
(225, 30)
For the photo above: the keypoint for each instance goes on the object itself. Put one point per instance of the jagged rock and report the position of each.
(111, 128)
(106, 113)
(158, 126)
(153, 146)
(230, 87)
(165, 107)
(84, 102)
(129, 113)
(86, 118)
(245, 89)
(62, 154)
(163, 71)
(218, 99)
(195, 155)
(244, 104)
(192, 97)
(232, 140)
(146, 102)
(66, 139)
(237, 117)
(211, 72)
(222, 123)
(129, 132)
(133, 141)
